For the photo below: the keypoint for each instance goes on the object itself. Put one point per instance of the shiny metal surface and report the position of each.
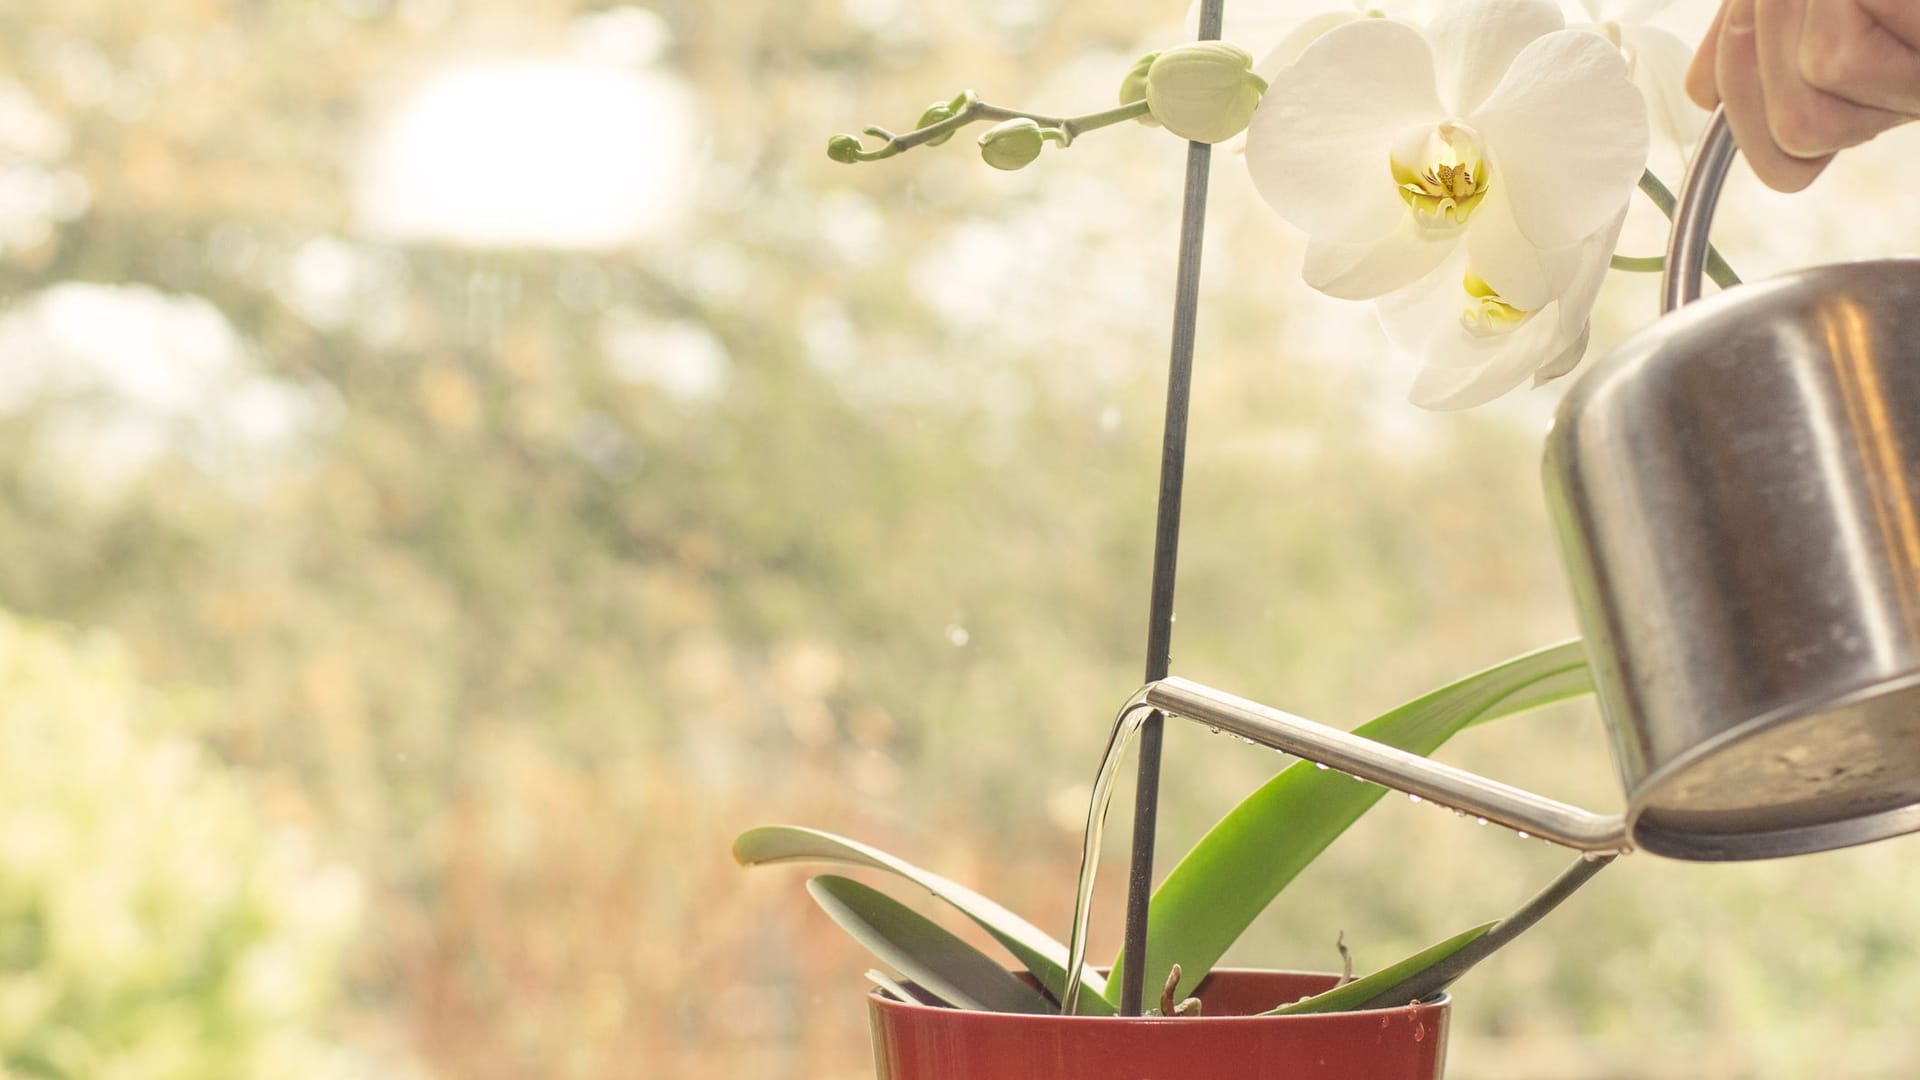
(1735, 492)
(1693, 214)
(1431, 780)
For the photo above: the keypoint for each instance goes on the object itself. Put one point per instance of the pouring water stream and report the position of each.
(1125, 726)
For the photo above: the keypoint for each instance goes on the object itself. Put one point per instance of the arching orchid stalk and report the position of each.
(1471, 175)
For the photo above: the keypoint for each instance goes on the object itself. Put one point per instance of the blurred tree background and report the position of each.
(462, 461)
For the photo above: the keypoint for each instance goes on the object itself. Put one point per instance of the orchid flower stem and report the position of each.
(1717, 267)
(1640, 264)
(974, 110)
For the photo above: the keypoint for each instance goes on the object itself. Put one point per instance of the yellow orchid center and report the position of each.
(1487, 314)
(1441, 172)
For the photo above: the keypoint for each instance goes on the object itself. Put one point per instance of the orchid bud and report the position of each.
(1134, 86)
(1012, 144)
(845, 149)
(1205, 91)
(936, 112)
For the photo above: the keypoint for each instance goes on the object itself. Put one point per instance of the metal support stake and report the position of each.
(1166, 547)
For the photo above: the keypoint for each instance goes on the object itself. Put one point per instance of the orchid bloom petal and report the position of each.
(1415, 314)
(1526, 275)
(1318, 145)
(1476, 343)
(1295, 41)
(1476, 41)
(1568, 133)
(1658, 61)
(1576, 304)
(1625, 11)
(1276, 30)
(1588, 272)
(1461, 371)
(1568, 359)
(1373, 268)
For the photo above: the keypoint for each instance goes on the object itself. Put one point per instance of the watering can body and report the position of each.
(1737, 495)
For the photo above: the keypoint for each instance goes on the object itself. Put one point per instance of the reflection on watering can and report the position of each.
(1735, 491)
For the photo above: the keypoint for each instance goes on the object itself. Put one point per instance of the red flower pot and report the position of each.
(918, 1042)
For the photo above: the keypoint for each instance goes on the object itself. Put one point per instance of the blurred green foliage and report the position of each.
(151, 924)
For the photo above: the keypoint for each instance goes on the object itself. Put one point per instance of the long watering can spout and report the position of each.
(1366, 759)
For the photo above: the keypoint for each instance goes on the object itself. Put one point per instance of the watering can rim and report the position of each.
(1793, 840)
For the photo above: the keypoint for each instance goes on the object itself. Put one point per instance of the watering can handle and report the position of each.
(1693, 216)
(1457, 789)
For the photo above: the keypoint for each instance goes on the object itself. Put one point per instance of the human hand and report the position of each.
(1803, 79)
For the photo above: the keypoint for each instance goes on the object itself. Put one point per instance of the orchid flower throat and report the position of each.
(1487, 313)
(1441, 173)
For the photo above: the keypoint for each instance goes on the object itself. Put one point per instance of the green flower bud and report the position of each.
(1012, 144)
(936, 112)
(845, 149)
(1205, 90)
(1134, 86)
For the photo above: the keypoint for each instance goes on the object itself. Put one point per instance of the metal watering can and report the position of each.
(1735, 491)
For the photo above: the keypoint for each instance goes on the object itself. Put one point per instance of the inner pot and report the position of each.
(920, 1042)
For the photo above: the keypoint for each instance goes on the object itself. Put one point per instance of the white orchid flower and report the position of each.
(1276, 32)
(1476, 343)
(1392, 148)
(1657, 62)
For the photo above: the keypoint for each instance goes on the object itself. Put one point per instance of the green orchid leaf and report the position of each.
(1261, 845)
(1359, 992)
(1040, 954)
(922, 950)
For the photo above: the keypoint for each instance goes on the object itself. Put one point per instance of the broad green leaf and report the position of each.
(1039, 953)
(922, 950)
(1236, 870)
(1358, 992)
